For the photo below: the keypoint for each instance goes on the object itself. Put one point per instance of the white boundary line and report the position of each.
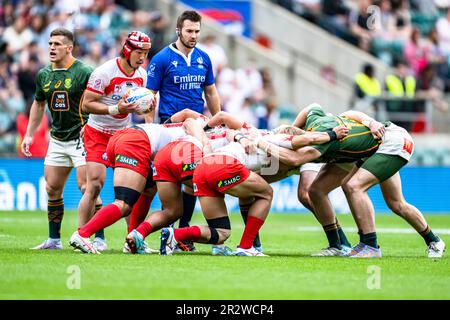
(381, 230)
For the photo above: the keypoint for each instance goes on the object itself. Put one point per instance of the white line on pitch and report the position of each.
(383, 230)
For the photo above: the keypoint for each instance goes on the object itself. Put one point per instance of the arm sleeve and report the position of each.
(97, 82)
(155, 73)
(39, 93)
(209, 73)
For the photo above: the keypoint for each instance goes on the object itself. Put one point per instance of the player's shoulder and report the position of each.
(200, 52)
(162, 55)
(82, 67)
(107, 66)
(44, 71)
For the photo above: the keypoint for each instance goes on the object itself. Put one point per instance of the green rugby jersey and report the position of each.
(63, 90)
(358, 144)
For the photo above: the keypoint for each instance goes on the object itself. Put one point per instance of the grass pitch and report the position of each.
(404, 272)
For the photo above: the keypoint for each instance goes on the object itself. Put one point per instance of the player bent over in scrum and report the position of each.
(219, 173)
(173, 165)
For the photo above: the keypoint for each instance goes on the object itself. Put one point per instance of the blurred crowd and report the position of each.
(412, 36)
(100, 28)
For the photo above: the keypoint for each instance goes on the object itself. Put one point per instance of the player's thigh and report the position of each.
(253, 186)
(170, 195)
(124, 177)
(362, 180)
(213, 207)
(56, 177)
(329, 178)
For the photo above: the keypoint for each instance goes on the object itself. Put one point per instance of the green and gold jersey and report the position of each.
(358, 144)
(63, 90)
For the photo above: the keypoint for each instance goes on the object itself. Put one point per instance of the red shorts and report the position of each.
(130, 148)
(215, 174)
(95, 143)
(176, 162)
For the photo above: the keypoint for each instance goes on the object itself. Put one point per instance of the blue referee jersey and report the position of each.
(180, 80)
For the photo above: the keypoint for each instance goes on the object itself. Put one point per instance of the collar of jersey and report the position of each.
(187, 59)
(65, 68)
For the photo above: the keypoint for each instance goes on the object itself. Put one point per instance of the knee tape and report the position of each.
(219, 223)
(214, 236)
(127, 195)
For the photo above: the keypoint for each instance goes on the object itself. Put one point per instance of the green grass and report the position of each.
(289, 272)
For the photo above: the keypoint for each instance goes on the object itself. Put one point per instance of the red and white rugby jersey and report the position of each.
(111, 82)
(162, 134)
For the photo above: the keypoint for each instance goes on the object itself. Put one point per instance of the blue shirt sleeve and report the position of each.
(155, 73)
(209, 73)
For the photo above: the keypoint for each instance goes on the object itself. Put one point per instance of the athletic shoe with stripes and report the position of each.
(84, 244)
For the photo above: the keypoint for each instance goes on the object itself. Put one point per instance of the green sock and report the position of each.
(429, 236)
(369, 239)
(332, 234)
(55, 213)
(342, 236)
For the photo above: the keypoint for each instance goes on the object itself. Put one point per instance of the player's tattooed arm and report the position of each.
(376, 128)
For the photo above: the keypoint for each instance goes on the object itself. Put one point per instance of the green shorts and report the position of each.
(383, 166)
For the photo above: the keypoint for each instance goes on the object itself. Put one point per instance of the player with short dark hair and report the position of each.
(60, 85)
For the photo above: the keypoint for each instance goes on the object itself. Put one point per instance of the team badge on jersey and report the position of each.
(200, 62)
(68, 83)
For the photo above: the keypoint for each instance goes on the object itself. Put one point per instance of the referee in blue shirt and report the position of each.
(182, 73)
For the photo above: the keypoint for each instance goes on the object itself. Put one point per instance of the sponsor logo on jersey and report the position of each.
(228, 182)
(60, 101)
(126, 160)
(189, 166)
(104, 156)
(68, 83)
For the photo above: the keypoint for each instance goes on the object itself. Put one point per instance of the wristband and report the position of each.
(113, 110)
(206, 127)
(332, 135)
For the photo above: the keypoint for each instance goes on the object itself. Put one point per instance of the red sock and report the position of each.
(187, 233)
(144, 228)
(251, 230)
(139, 212)
(102, 219)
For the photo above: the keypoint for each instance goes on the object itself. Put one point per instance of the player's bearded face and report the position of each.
(189, 34)
(137, 58)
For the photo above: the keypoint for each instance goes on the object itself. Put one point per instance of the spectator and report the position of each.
(416, 53)
(431, 87)
(438, 59)
(249, 80)
(359, 24)
(215, 52)
(366, 84)
(443, 29)
(158, 32)
(335, 17)
(400, 83)
(17, 36)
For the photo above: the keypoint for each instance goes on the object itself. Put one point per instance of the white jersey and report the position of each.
(111, 82)
(160, 135)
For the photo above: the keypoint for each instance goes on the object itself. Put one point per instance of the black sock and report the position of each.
(55, 212)
(100, 233)
(244, 213)
(369, 239)
(342, 236)
(429, 236)
(188, 209)
(331, 231)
